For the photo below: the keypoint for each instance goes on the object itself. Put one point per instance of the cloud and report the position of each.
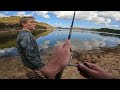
(58, 24)
(2, 15)
(63, 14)
(97, 17)
(110, 26)
(82, 15)
(22, 13)
(42, 13)
(110, 14)
(100, 20)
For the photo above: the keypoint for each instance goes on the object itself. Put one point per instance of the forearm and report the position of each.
(48, 71)
(51, 69)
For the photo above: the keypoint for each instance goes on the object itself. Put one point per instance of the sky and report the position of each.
(83, 19)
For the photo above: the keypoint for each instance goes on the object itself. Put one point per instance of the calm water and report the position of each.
(81, 40)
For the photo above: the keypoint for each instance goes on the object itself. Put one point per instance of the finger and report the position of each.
(85, 69)
(94, 66)
(84, 74)
(67, 44)
(79, 66)
(90, 65)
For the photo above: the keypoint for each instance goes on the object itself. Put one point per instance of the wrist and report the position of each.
(110, 76)
(51, 69)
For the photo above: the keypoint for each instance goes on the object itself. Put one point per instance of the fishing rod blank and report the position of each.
(70, 32)
(58, 76)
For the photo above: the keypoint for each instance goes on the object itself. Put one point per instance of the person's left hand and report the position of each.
(94, 71)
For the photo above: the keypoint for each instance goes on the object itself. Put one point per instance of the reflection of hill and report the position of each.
(113, 35)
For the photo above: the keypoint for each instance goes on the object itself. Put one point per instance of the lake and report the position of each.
(80, 40)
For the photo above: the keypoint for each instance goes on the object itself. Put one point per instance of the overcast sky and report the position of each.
(86, 19)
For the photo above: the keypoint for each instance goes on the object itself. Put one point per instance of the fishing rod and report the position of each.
(70, 32)
(58, 76)
(69, 37)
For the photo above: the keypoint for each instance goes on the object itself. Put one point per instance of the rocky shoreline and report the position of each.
(106, 57)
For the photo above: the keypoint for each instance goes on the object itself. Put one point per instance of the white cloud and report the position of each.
(57, 24)
(2, 15)
(86, 15)
(97, 17)
(111, 26)
(22, 13)
(63, 14)
(110, 14)
(100, 20)
(82, 15)
(42, 13)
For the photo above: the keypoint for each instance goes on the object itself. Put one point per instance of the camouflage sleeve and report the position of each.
(30, 53)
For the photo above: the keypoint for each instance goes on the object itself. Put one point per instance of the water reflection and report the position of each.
(9, 52)
(81, 40)
(87, 45)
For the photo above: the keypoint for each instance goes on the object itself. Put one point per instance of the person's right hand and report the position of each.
(59, 59)
(93, 71)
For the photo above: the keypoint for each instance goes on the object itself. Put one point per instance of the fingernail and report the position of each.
(80, 64)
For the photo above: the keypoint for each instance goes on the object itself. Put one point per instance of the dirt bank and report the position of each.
(108, 58)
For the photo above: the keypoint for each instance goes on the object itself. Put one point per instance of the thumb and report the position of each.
(84, 68)
(67, 44)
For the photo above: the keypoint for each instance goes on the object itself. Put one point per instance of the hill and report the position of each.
(108, 30)
(12, 22)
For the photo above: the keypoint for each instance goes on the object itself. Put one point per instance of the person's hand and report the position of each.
(59, 59)
(62, 54)
(93, 71)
